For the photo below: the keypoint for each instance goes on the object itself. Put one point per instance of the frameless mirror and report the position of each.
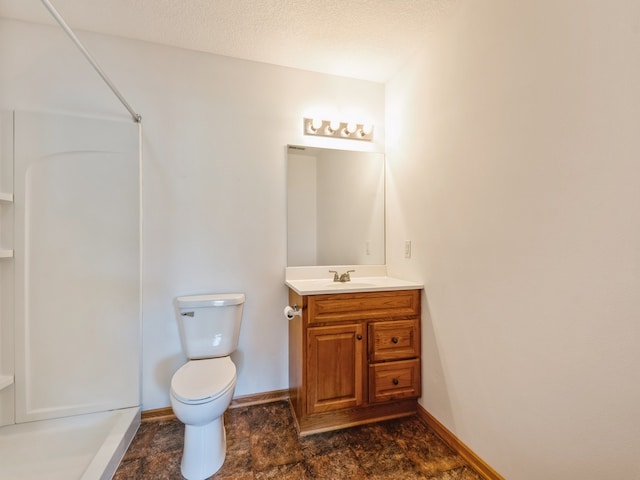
(335, 207)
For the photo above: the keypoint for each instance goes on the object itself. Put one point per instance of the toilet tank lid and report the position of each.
(210, 300)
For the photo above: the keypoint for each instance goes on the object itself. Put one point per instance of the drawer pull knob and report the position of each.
(395, 381)
(394, 339)
(359, 337)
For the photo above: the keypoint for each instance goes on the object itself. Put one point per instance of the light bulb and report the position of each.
(334, 125)
(350, 128)
(367, 128)
(316, 123)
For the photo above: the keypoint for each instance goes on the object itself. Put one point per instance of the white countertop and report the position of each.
(317, 280)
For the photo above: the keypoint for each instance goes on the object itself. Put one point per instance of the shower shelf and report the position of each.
(5, 381)
(6, 197)
(6, 253)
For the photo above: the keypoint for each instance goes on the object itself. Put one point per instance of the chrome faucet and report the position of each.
(345, 277)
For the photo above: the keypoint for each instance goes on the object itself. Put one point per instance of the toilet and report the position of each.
(202, 389)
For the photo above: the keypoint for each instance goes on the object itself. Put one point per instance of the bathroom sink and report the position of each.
(349, 285)
(317, 286)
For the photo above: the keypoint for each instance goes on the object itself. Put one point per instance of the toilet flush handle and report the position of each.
(187, 314)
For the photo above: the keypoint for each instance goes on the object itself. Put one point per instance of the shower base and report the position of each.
(82, 447)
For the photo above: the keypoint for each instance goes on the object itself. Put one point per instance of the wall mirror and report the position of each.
(335, 207)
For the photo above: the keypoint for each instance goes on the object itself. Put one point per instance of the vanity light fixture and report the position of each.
(333, 128)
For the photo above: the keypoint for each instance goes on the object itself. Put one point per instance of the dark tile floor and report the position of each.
(262, 444)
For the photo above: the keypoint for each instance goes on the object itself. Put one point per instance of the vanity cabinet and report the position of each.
(354, 358)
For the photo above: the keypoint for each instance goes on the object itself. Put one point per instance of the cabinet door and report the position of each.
(335, 367)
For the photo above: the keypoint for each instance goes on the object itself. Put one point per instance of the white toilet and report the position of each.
(202, 389)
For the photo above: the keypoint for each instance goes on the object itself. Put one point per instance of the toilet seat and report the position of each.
(202, 381)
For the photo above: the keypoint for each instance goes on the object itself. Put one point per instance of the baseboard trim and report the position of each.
(166, 413)
(479, 465)
(259, 398)
(157, 414)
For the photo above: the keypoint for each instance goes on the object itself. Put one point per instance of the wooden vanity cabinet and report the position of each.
(354, 358)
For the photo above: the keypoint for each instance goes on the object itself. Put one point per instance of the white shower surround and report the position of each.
(70, 330)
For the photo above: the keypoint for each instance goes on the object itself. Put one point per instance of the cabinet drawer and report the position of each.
(359, 306)
(394, 380)
(395, 340)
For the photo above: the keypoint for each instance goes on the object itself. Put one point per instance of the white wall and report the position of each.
(513, 144)
(215, 133)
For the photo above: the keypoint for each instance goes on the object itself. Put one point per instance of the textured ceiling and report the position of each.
(366, 39)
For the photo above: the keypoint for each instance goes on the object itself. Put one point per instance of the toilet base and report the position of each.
(205, 447)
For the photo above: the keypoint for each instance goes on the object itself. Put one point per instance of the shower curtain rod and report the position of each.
(136, 117)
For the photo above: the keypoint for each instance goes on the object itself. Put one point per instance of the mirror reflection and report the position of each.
(335, 207)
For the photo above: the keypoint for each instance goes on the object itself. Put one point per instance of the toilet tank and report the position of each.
(210, 324)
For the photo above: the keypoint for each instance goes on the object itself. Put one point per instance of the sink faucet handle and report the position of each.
(345, 276)
(336, 277)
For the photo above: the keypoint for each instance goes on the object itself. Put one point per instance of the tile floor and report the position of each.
(262, 444)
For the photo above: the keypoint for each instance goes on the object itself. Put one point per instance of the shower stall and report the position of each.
(70, 297)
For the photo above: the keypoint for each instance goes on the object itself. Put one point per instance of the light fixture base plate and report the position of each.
(328, 128)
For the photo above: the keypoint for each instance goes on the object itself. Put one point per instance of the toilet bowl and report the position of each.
(201, 391)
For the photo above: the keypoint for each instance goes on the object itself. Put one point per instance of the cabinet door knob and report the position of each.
(395, 381)
(359, 337)
(394, 339)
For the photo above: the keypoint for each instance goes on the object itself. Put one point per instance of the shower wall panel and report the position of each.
(77, 265)
(7, 409)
